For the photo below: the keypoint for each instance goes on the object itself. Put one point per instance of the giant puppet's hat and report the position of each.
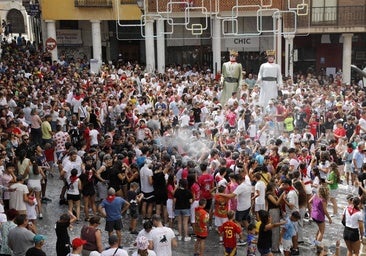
(234, 53)
(271, 53)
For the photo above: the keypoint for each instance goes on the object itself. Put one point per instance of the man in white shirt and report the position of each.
(93, 134)
(146, 180)
(163, 238)
(243, 192)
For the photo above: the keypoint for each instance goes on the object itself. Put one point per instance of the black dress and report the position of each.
(264, 238)
(63, 238)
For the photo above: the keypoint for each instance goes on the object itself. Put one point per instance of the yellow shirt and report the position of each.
(46, 130)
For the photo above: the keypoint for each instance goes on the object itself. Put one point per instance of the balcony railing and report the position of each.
(129, 1)
(93, 3)
(340, 16)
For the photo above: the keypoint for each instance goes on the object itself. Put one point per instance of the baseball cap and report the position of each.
(38, 238)
(142, 243)
(77, 242)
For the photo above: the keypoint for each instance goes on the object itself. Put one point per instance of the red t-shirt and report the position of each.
(221, 206)
(196, 191)
(206, 182)
(200, 227)
(229, 230)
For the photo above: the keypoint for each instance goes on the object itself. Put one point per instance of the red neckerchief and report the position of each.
(304, 172)
(31, 198)
(233, 61)
(352, 210)
(110, 198)
(349, 150)
(290, 188)
(73, 178)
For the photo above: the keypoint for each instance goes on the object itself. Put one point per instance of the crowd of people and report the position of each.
(125, 142)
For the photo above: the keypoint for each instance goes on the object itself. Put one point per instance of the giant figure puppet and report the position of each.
(269, 78)
(231, 76)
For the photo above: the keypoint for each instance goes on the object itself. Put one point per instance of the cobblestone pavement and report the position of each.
(53, 210)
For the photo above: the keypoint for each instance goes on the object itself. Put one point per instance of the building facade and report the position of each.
(160, 33)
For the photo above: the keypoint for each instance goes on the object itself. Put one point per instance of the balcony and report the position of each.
(93, 3)
(335, 16)
(129, 1)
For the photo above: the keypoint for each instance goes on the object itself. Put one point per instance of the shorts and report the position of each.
(149, 197)
(333, 193)
(35, 185)
(134, 213)
(264, 251)
(73, 197)
(194, 205)
(230, 251)
(286, 244)
(242, 215)
(318, 221)
(219, 221)
(182, 212)
(160, 198)
(111, 225)
(348, 168)
(351, 234)
(169, 208)
(259, 207)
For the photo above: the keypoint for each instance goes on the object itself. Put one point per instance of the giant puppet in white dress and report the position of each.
(269, 77)
(231, 76)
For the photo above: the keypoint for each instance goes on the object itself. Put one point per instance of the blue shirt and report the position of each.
(113, 209)
(290, 229)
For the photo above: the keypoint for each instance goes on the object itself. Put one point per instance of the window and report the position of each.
(324, 11)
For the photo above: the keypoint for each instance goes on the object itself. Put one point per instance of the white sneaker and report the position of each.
(179, 238)
(187, 239)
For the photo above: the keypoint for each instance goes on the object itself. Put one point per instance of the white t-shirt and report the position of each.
(145, 173)
(243, 193)
(162, 240)
(113, 252)
(93, 137)
(352, 220)
(16, 197)
(292, 198)
(261, 187)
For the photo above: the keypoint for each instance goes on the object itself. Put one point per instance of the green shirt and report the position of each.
(333, 177)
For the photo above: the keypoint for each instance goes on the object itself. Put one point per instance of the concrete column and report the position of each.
(97, 41)
(289, 55)
(51, 32)
(279, 41)
(216, 46)
(347, 58)
(160, 45)
(150, 46)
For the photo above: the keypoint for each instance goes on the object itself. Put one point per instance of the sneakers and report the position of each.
(40, 216)
(241, 242)
(187, 239)
(179, 238)
(134, 232)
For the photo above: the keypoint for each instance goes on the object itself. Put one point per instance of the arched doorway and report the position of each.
(16, 21)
